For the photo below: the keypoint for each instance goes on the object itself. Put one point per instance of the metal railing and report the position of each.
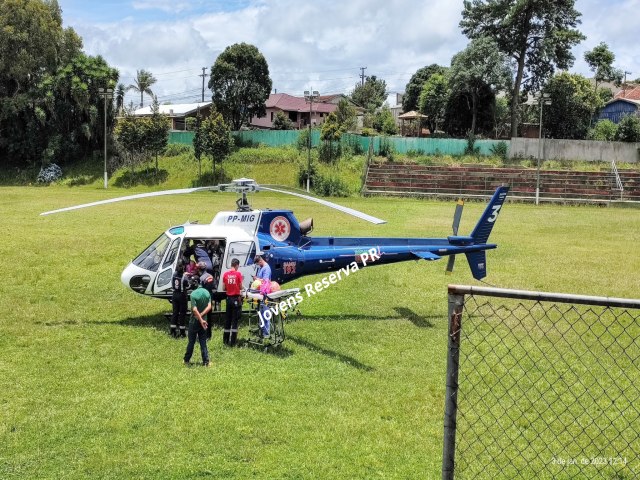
(616, 174)
(541, 385)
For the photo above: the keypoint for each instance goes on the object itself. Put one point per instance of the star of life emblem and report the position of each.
(280, 228)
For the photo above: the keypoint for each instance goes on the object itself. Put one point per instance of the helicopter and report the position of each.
(285, 243)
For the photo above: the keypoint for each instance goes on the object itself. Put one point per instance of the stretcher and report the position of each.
(259, 319)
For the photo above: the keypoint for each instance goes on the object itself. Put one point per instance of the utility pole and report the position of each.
(203, 75)
(362, 69)
(310, 96)
(624, 85)
(107, 94)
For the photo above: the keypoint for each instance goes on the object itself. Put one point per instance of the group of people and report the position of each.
(199, 323)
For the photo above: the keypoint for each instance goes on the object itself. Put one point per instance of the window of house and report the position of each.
(272, 116)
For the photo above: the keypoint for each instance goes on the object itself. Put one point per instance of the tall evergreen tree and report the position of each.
(537, 34)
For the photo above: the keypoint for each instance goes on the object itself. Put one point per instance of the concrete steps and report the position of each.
(555, 185)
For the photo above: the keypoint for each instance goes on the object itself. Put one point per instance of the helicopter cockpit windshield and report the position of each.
(151, 258)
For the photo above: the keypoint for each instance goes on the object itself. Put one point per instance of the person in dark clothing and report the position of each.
(200, 306)
(202, 255)
(232, 280)
(180, 284)
(207, 282)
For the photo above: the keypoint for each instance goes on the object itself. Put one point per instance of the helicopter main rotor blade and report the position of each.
(347, 210)
(133, 197)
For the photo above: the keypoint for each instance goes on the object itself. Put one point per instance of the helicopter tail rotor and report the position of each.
(456, 224)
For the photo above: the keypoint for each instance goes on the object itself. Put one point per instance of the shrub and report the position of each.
(175, 149)
(329, 151)
(471, 149)
(50, 173)
(386, 148)
(282, 122)
(369, 132)
(603, 131)
(629, 129)
(500, 149)
(330, 186)
(411, 153)
(304, 140)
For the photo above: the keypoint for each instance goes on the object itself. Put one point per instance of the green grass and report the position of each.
(91, 386)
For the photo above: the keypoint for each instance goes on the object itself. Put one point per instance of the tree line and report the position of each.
(51, 109)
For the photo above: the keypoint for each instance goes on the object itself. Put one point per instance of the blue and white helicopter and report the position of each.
(286, 244)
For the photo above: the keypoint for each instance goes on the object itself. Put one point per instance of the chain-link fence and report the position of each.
(541, 386)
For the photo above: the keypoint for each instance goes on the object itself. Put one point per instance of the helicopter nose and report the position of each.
(135, 278)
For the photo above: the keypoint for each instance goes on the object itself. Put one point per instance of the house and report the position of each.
(297, 109)
(617, 108)
(178, 113)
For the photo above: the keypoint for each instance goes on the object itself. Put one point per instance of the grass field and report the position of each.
(91, 386)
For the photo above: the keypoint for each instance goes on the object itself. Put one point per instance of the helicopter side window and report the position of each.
(173, 253)
(241, 251)
(151, 258)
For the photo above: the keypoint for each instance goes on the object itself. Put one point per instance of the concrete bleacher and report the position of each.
(477, 180)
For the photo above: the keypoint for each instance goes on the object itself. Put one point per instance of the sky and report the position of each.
(319, 45)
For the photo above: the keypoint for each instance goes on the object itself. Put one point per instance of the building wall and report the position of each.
(584, 150)
(616, 110)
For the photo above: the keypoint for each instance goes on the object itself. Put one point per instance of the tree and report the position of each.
(501, 117)
(129, 135)
(384, 122)
(480, 64)
(33, 45)
(600, 61)
(330, 132)
(216, 138)
(346, 115)
(371, 94)
(537, 35)
(157, 135)
(414, 87)
(119, 98)
(573, 105)
(73, 111)
(629, 129)
(142, 84)
(240, 84)
(282, 122)
(603, 131)
(433, 100)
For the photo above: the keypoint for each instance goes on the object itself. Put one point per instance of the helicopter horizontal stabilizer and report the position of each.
(426, 255)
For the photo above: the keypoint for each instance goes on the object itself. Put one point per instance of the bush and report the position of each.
(500, 149)
(368, 132)
(302, 174)
(329, 151)
(629, 129)
(386, 148)
(411, 153)
(282, 122)
(330, 186)
(352, 145)
(304, 140)
(50, 173)
(175, 149)
(471, 149)
(603, 131)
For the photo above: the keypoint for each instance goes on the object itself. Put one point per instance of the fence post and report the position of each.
(456, 304)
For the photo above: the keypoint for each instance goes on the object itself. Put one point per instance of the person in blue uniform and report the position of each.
(264, 270)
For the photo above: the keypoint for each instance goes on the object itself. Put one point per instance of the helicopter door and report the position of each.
(166, 271)
(245, 253)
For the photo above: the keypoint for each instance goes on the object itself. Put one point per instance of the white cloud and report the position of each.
(321, 43)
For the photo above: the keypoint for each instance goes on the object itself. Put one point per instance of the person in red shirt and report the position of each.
(232, 281)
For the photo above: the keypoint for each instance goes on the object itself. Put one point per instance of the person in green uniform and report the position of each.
(200, 307)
